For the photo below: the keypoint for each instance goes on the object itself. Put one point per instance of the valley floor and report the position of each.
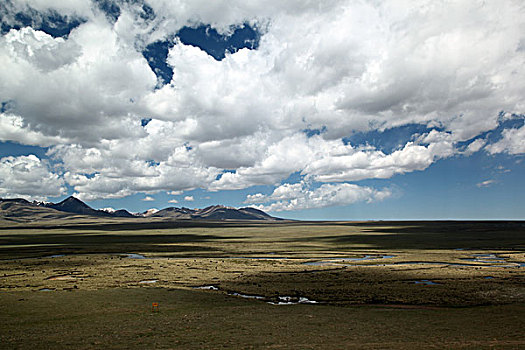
(263, 285)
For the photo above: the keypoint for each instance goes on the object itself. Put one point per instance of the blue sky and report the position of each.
(346, 111)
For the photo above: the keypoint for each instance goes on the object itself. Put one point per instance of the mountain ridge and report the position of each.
(15, 207)
(214, 212)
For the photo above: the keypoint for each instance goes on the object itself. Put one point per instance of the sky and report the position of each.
(332, 110)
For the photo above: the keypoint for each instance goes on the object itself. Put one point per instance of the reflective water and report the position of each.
(448, 263)
(246, 296)
(287, 300)
(486, 258)
(255, 257)
(426, 282)
(335, 261)
(477, 263)
(148, 281)
(281, 300)
(135, 256)
(207, 287)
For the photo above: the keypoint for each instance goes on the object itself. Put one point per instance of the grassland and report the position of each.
(71, 284)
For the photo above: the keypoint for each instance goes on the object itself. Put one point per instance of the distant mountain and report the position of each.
(258, 213)
(219, 212)
(9, 201)
(20, 207)
(148, 212)
(16, 208)
(74, 205)
(20, 210)
(123, 213)
(215, 212)
(172, 212)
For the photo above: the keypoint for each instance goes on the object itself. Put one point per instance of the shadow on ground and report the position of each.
(432, 235)
(190, 236)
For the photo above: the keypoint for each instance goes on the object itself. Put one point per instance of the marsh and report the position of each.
(288, 284)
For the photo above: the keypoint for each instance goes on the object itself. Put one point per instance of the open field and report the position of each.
(69, 284)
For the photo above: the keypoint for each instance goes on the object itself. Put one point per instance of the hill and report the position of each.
(215, 212)
(21, 210)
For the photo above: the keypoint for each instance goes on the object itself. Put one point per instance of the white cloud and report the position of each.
(475, 146)
(453, 66)
(502, 169)
(351, 164)
(333, 161)
(298, 196)
(12, 128)
(63, 6)
(512, 142)
(148, 199)
(385, 64)
(189, 199)
(127, 173)
(29, 177)
(486, 183)
(81, 88)
(279, 160)
(256, 198)
(173, 201)
(41, 50)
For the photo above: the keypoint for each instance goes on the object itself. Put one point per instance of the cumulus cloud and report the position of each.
(82, 88)
(350, 164)
(67, 7)
(12, 128)
(474, 146)
(384, 65)
(29, 177)
(239, 122)
(126, 173)
(148, 199)
(173, 201)
(189, 199)
(298, 196)
(512, 142)
(279, 160)
(334, 161)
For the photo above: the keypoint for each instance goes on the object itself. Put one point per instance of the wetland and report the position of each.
(262, 285)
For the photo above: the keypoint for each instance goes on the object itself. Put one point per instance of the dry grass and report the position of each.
(365, 304)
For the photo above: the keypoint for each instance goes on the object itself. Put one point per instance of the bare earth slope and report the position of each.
(215, 212)
(20, 210)
(29, 211)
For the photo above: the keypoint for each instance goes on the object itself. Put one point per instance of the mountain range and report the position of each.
(11, 209)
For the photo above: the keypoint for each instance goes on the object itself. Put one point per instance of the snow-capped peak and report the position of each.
(150, 212)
